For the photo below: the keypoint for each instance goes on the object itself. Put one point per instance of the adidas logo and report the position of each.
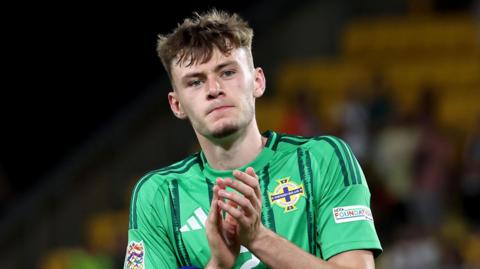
(195, 222)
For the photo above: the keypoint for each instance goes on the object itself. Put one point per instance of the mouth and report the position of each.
(219, 108)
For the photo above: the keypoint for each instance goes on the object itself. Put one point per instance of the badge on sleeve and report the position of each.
(135, 258)
(352, 213)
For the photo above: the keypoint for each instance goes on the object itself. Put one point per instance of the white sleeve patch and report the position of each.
(352, 213)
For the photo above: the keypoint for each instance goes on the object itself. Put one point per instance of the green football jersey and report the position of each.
(314, 194)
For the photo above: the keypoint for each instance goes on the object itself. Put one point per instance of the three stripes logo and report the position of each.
(195, 222)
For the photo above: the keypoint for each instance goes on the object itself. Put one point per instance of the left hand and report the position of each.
(247, 214)
(221, 238)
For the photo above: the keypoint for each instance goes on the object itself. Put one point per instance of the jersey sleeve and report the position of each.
(148, 242)
(344, 219)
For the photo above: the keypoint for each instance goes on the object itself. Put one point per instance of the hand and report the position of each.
(245, 207)
(221, 236)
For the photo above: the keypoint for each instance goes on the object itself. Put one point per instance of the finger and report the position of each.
(218, 181)
(221, 186)
(237, 199)
(229, 219)
(214, 216)
(236, 213)
(250, 178)
(230, 224)
(252, 193)
(252, 173)
(245, 190)
(229, 232)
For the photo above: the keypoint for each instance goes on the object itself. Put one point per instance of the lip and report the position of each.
(219, 108)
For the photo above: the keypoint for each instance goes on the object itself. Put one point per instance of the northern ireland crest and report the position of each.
(287, 194)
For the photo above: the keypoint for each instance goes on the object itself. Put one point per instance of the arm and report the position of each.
(148, 242)
(271, 249)
(278, 252)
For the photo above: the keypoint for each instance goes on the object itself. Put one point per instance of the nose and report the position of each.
(214, 88)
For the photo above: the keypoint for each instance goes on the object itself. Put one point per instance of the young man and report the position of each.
(247, 200)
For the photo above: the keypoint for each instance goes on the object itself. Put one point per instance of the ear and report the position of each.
(260, 82)
(176, 106)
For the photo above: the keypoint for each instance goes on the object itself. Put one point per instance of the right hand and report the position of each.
(221, 234)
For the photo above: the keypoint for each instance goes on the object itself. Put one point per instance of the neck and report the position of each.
(234, 151)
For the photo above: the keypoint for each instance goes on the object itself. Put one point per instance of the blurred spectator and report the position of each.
(381, 106)
(354, 122)
(470, 180)
(413, 249)
(451, 238)
(471, 250)
(301, 117)
(433, 160)
(392, 159)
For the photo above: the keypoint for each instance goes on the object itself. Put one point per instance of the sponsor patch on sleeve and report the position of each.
(135, 258)
(352, 213)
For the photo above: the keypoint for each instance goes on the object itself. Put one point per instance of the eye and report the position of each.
(194, 83)
(228, 73)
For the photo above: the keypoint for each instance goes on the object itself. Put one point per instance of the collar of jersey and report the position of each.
(258, 163)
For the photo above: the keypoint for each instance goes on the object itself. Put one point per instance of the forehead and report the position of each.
(238, 55)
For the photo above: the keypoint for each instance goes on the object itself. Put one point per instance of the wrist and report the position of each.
(260, 239)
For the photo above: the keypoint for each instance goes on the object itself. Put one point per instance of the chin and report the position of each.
(224, 131)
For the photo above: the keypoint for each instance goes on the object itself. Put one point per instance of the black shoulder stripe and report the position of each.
(298, 137)
(349, 159)
(275, 144)
(292, 139)
(341, 159)
(181, 170)
(176, 166)
(270, 137)
(133, 203)
(356, 165)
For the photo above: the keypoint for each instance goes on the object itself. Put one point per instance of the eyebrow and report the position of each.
(217, 68)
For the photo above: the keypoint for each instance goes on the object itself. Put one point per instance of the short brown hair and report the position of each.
(194, 40)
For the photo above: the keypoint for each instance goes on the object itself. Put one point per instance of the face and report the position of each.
(218, 97)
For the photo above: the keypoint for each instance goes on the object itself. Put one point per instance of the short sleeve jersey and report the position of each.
(314, 194)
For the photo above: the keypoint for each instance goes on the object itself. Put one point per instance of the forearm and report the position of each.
(277, 252)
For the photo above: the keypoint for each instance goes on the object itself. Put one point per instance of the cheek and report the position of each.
(192, 109)
(185, 102)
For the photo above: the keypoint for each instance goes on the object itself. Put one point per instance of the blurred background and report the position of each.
(85, 115)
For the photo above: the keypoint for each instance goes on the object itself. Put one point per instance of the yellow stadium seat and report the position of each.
(394, 37)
